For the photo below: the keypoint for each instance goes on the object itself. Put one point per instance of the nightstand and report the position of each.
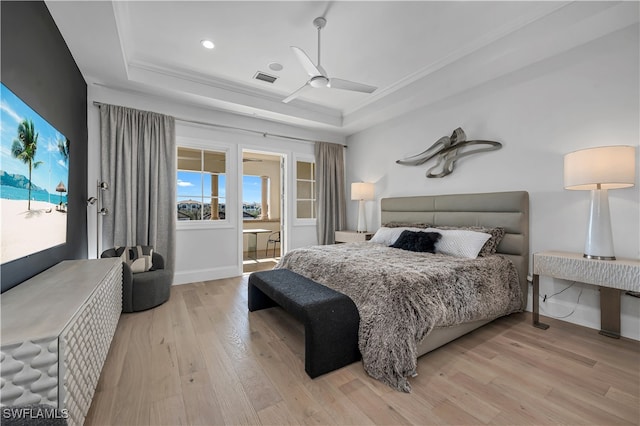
(612, 276)
(352, 236)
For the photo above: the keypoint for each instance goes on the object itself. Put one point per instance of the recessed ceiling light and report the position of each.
(207, 44)
(274, 66)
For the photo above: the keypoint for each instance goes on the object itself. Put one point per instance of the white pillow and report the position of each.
(460, 243)
(388, 236)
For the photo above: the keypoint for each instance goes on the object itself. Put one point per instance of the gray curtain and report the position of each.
(330, 191)
(139, 164)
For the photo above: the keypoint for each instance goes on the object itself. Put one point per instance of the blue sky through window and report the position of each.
(191, 185)
(251, 189)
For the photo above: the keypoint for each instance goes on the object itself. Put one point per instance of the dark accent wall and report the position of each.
(38, 67)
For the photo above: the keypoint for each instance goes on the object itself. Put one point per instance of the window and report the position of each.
(201, 184)
(305, 190)
(251, 197)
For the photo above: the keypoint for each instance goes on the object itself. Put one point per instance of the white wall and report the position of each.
(586, 97)
(210, 251)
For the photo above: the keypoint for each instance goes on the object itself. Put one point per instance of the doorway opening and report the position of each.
(262, 210)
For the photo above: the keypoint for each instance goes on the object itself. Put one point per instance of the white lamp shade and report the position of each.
(611, 167)
(362, 191)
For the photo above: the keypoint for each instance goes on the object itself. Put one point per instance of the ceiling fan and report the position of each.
(319, 77)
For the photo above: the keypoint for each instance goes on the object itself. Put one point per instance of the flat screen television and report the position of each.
(34, 180)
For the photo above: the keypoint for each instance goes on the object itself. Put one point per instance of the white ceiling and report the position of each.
(414, 52)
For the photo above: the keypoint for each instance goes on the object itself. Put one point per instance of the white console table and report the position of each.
(612, 276)
(56, 331)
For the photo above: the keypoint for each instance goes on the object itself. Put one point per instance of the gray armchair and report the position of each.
(144, 290)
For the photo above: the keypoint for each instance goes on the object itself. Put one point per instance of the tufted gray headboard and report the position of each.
(509, 210)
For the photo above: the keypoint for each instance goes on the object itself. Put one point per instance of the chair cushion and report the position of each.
(139, 258)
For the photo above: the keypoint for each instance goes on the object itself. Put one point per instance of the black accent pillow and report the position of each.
(417, 241)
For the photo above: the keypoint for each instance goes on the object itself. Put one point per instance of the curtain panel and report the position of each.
(330, 191)
(138, 162)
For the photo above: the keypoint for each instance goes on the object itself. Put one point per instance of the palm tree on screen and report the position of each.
(24, 149)
(63, 148)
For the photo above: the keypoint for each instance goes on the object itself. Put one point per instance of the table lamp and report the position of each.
(598, 170)
(362, 191)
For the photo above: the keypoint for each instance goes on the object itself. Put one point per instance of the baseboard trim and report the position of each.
(188, 277)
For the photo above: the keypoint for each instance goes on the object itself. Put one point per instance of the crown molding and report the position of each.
(231, 93)
(498, 33)
(567, 28)
(123, 22)
(549, 30)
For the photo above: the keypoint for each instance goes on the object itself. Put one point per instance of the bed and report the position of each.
(401, 317)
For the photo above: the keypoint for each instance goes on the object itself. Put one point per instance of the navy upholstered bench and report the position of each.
(330, 318)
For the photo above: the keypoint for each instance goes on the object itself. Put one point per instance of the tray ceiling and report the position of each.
(415, 52)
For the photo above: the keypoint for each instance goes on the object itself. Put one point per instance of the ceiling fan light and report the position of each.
(207, 44)
(319, 81)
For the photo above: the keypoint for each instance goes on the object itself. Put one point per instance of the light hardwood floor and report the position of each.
(261, 264)
(201, 358)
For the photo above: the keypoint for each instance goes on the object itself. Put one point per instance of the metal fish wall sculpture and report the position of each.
(447, 150)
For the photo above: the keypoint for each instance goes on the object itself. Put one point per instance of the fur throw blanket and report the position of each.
(401, 296)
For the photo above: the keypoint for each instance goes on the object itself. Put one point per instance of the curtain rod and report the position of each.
(222, 126)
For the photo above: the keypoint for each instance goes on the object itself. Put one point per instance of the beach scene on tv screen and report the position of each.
(34, 180)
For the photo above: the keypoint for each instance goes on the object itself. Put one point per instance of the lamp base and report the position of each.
(599, 241)
(589, 256)
(362, 220)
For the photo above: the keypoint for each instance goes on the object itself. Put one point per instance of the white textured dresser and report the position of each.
(56, 331)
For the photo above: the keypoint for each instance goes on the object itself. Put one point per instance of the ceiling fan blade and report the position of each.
(296, 93)
(338, 83)
(306, 63)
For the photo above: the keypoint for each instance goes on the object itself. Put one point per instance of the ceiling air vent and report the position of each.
(265, 77)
